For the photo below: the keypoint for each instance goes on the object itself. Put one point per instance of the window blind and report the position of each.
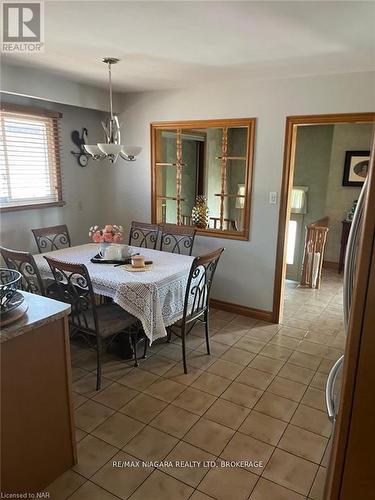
(29, 159)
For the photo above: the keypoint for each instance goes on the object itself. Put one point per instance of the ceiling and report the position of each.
(165, 45)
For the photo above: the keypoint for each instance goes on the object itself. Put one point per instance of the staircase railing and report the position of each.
(315, 242)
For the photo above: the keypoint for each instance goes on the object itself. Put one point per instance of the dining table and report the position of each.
(155, 296)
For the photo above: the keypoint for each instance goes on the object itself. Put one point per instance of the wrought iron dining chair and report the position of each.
(197, 300)
(103, 322)
(24, 263)
(51, 238)
(143, 235)
(177, 239)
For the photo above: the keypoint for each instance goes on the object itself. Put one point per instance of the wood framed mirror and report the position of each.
(202, 173)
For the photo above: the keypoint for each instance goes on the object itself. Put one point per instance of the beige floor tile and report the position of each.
(151, 444)
(209, 436)
(287, 388)
(177, 374)
(317, 489)
(312, 420)
(86, 386)
(143, 407)
(198, 495)
(78, 373)
(91, 414)
(216, 348)
(260, 334)
(246, 448)
(172, 352)
(284, 341)
(264, 364)
(303, 443)
(296, 373)
(115, 369)
(118, 429)
(115, 396)
(86, 360)
(213, 384)
(263, 427)
(90, 491)
(92, 454)
(156, 364)
(194, 400)
(242, 394)
(266, 490)
(228, 338)
(306, 360)
(226, 413)
(78, 399)
(312, 348)
(199, 360)
(175, 421)
(186, 452)
(276, 406)
(164, 389)
(225, 369)
(138, 379)
(80, 434)
(224, 484)
(163, 486)
(238, 356)
(64, 485)
(326, 365)
(289, 331)
(121, 481)
(276, 351)
(314, 398)
(249, 344)
(291, 472)
(255, 378)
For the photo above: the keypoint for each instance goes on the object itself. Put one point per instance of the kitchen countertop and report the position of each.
(41, 310)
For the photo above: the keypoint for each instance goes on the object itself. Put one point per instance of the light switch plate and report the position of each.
(273, 198)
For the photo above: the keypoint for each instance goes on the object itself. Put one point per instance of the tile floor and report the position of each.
(258, 397)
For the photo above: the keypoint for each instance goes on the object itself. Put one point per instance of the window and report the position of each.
(29, 158)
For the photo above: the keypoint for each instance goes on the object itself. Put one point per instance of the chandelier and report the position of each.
(112, 148)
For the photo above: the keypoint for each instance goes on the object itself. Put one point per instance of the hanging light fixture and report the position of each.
(112, 148)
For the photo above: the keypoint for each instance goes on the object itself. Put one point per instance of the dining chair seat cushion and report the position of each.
(112, 319)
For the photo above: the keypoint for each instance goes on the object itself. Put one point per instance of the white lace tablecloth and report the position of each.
(155, 297)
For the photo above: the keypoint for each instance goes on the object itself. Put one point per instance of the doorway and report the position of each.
(300, 207)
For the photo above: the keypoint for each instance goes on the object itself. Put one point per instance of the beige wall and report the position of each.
(246, 273)
(339, 200)
(82, 187)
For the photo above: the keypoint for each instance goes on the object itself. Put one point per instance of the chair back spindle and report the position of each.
(52, 238)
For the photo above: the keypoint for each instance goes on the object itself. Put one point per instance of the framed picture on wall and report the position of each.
(355, 168)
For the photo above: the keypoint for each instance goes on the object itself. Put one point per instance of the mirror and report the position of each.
(201, 175)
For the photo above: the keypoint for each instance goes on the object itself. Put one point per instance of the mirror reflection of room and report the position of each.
(326, 187)
(201, 176)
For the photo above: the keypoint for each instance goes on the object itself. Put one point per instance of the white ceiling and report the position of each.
(175, 44)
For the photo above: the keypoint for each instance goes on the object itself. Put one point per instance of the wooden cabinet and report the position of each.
(37, 429)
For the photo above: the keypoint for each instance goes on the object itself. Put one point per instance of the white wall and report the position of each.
(82, 187)
(45, 85)
(246, 274)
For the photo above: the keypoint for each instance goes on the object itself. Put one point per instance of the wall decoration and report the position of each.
(79, 141)
(355, 169)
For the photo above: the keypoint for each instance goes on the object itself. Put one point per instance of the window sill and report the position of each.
(16, 208)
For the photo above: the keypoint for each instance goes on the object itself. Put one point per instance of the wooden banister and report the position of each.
(313, 255)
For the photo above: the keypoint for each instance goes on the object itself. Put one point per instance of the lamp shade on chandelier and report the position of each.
(112, 149)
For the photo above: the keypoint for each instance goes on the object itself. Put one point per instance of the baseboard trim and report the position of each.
(327, 264)
(243, 310)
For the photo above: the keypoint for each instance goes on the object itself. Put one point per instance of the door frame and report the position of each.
(286, 184)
